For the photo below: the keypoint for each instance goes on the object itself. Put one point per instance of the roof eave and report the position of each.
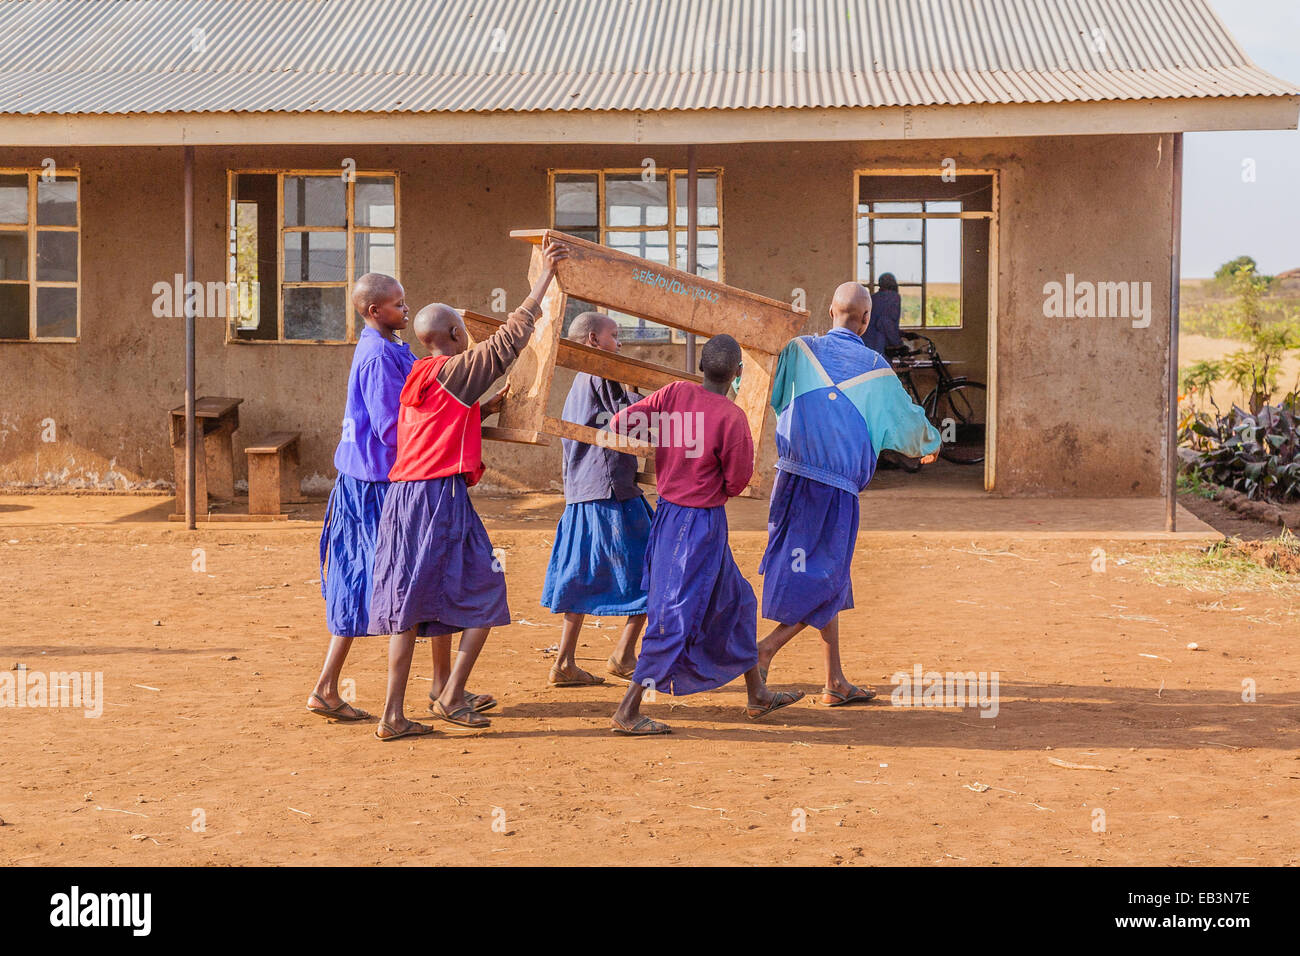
(995, 120)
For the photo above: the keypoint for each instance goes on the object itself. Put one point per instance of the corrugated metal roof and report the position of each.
(164, 56)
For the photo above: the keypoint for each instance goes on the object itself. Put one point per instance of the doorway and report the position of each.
(925, 245)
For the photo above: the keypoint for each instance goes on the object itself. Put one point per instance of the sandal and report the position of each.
(856, 695)
(463, 716)
(612, 667)
(782, 698)
(479, 703)
(350, 715)
(412, 730)
(574, 678)
(645, 727)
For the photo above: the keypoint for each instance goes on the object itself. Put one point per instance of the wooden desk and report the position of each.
(217, 419)
(658, 293)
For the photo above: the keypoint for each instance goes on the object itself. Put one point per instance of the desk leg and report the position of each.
(530, 378)
(754, 400)
(289, 490)
(200, 481)
(219, 450)
(264, 490)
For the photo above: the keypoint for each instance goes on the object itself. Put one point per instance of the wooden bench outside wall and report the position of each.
(272, 473)
(217, 419)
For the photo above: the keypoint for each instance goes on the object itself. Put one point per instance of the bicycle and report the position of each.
(956, 406)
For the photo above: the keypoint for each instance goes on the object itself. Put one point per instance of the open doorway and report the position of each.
(925, 245)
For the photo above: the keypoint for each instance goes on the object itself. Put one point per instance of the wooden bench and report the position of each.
(272, 473)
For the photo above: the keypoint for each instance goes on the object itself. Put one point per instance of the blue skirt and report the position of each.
(434, 566)
(598, 559)
(812, 530)
(702, 626)
(347, 553)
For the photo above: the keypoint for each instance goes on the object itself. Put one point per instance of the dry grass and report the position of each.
(1272, 564)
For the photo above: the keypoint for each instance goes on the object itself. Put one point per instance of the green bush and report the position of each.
(1257, 454)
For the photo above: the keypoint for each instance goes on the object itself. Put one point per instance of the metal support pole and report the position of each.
(191, 445)
(692, 237)
(1175, 269)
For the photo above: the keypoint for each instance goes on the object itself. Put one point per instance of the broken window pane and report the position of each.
(256, 266)
(14, 308)
(315, 313)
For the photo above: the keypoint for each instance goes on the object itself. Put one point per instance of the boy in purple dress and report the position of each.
(364, 455)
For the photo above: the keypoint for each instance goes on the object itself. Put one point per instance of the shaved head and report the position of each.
(851, 307)
(588, 323)
(374, 288)
(439, 325)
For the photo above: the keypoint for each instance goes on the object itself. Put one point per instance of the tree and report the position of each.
(1256, 368)
(1228, 271)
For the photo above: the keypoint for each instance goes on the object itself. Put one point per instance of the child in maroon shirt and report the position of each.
(702, 623)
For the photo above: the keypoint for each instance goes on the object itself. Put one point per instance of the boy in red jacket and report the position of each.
(435, 573)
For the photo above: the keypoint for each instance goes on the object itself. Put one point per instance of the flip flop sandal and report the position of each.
(338, 713)
(412, 730)
(611, 667)
(857, 695)
(585, 680)
(645, 727)
(481, 703)
(461, 717)
(782, 698)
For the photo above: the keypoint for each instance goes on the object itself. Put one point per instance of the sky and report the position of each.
(1225, 216)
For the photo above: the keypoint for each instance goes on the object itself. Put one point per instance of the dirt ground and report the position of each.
(205, 755)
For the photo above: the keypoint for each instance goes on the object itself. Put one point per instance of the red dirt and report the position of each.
(205, 713)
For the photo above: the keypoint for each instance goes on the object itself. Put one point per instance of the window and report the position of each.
(298, 241)
(643, 215)
(919, 243)
(40, 255)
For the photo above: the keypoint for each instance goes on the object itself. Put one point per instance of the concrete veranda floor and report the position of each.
(892, 506)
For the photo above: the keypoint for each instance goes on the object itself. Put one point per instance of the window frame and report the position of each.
(349, 229)
(32, 228)
(924, 216)
(673, 174)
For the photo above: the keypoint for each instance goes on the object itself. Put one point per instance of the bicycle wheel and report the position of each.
(959, 411)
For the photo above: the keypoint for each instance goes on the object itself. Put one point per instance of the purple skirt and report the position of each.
(434, 566)
(347, 553)
(812, 530)
(702, 623)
